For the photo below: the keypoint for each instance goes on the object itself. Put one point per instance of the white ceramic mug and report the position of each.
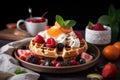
(32, 28)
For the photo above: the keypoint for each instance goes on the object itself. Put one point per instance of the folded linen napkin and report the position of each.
(8, 64)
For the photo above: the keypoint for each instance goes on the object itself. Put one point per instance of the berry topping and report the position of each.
(79, 35)
(97, 26)
(39, 39)
(51, 43)
(42, 19)
(34, 20)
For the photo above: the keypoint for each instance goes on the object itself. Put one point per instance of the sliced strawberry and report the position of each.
(86, 56)
(51, 42)
(39, 39)
(79, 35)
(23, 54)
(22, 57)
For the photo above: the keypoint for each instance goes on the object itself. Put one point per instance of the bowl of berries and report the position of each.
(33, 62)
(98, 34)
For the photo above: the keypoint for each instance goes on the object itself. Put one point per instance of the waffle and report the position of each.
(47, 53)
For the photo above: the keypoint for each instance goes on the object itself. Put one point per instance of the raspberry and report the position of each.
(51, 43)
(54, 63)
(73, 62)
(98, 26)
(79, 35)
(39, 39)
(58, 64)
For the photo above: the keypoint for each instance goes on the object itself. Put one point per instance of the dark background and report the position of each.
(82, 11)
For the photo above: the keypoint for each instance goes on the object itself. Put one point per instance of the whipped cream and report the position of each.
(69, 39)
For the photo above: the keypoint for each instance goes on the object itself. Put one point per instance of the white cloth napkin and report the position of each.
(8, 64)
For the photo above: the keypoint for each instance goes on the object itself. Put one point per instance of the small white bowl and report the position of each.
(98, 37)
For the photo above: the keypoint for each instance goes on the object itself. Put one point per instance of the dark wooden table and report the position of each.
(77, 75)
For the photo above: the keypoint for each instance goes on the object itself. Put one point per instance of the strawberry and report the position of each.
(79, 35)
(39, 39)
(86, 56)
(51, 43)
(22, 58)
(23, 54)
(47, 27)
(109, 70)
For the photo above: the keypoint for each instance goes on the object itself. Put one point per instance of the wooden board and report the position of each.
(10, 34)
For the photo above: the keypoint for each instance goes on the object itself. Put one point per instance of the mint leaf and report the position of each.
(69, 23)
(90, 24)
(104, 19)
(19, 71)
(60, 20)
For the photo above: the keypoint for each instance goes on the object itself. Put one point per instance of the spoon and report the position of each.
(30, 12)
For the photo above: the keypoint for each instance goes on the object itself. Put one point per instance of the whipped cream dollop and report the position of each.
(69, 39)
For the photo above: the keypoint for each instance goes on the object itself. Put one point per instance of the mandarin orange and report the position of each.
(110, 52)
(117, 45)
(57, 30)
(54, 31)
(64, 29)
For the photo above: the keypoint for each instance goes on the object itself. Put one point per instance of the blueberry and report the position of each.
(60, 46)
(32, 59)
(66, 63)
(48, 63)
(82, 61)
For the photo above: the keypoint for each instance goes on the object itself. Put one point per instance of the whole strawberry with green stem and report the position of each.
(109, 70)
